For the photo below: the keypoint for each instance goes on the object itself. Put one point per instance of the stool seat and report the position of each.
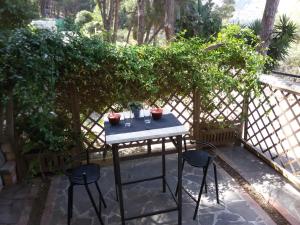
(201, 159)
(85, 175)
(92, 172)
(196, 158)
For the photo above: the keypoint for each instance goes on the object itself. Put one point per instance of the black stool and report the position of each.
(84, 175)
(201, 159)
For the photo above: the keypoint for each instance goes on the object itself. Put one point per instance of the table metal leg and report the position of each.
(118, 180)
(179, 196)
(115, 172)
(149, 149)
(163, 150)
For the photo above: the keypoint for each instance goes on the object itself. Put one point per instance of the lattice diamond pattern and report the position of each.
(273, 122)
(93, 123)
(92, 128)
(229, 108)
(274, 126)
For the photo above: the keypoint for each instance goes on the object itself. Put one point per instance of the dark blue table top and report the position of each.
(138, 124)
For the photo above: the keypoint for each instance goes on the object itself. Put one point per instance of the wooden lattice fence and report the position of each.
(222, 124)
(273, 126)
(228, 110)
(271, 121)
(92, 125)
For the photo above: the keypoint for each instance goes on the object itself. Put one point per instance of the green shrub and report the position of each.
(30, 64)
(42, 69)
(16, 13)
(83, 17)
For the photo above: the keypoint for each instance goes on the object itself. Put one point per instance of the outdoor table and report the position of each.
(167, 126)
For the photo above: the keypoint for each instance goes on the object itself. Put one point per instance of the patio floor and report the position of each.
(23, 205)
(236, 206)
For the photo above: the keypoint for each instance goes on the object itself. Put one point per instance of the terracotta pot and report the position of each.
(156, 113)
(114, 118)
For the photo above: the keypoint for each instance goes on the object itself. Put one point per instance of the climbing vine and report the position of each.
(43, 70)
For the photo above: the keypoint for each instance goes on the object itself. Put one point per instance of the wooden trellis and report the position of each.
(228, 109)
(271, 121)
(92, 126)
(273, 126)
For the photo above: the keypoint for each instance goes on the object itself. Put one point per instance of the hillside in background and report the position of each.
(249, 10)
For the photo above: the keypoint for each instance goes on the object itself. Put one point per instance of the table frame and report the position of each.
(119, 184)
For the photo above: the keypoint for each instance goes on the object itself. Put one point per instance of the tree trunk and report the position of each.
(10, 134)
(10, 127)
(116, 21)
(141, 21)
(169, 19)
(267, 24)
(128, 35)
(102, 8)
(155, 34)
(148, 31)
(58, 12)
(75, 110)
(107, 11)
(43, 4)
(110, 13)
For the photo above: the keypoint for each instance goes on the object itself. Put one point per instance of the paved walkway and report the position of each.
(265, 180)
(16, 202)
(236, 206)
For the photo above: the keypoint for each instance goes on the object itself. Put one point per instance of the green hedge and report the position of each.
(40, 67)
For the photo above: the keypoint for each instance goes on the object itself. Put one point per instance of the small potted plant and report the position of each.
(135, 108)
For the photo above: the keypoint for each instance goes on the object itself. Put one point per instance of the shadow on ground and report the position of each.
(236, 207)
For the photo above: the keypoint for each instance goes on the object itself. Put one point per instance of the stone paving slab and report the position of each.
(15, 204)
(266, 181)
(236, 208)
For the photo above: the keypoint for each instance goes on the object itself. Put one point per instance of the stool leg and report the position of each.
(200, 193)
(116, 182)
(216, 183)
(176, 192)
(101, 196)
(205, 184)
(93, 203)
(70, 203)
(163, 148)
(184, 143)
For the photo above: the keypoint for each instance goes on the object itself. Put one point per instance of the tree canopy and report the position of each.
(16, 13)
